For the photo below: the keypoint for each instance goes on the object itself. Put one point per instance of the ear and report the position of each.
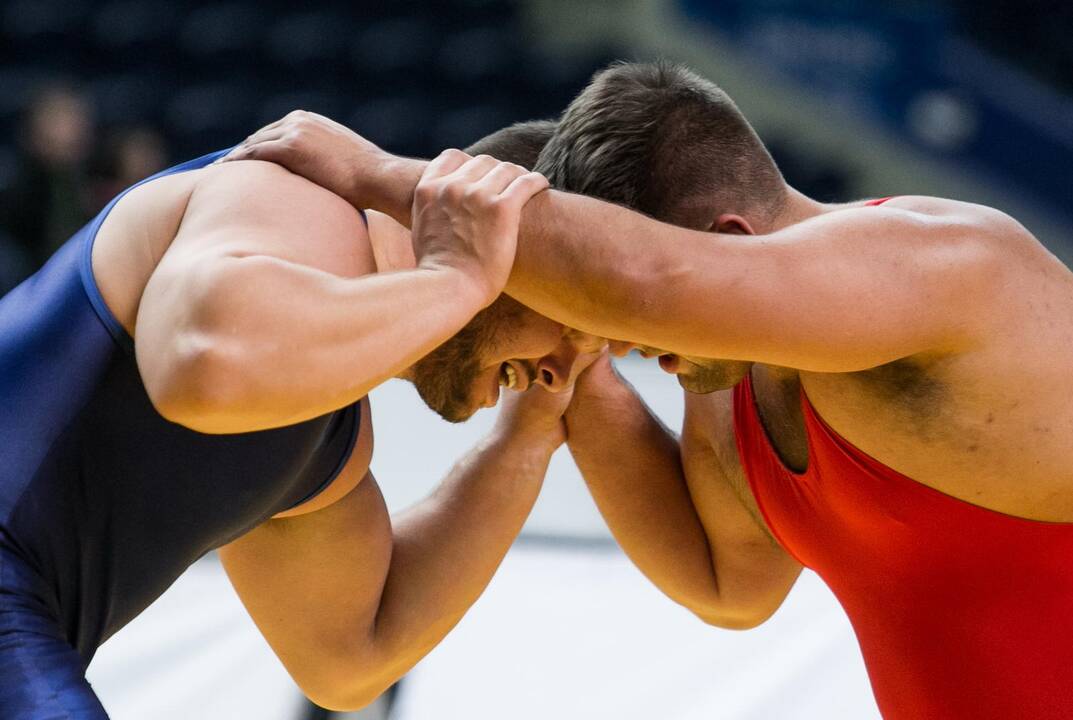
(731, 224)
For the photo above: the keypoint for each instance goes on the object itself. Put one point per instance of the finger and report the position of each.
(522, 188)
(273, 125)
(253, 144)
(268, 151)
(445, 163)
(474, 169)
(500, 177)
(293, 117)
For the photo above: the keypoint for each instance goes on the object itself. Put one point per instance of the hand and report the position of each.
(598, 373)
(535, 415)
(598, 382)
(336, 158)
(465, 217)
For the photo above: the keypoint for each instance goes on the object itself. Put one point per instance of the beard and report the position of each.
(445, 385)
(445, 377)
(712, 375)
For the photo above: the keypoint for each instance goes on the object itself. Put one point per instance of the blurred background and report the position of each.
(954, 98)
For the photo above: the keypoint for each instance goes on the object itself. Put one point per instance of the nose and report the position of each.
(553, 372)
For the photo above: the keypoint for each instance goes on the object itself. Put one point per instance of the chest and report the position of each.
(969, 427)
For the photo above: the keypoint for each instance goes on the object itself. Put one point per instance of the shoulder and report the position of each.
(248, 208)
(960, 219)
(245, 185)
(937, 235)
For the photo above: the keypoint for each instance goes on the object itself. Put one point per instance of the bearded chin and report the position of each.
(446, 391)
(705, 379)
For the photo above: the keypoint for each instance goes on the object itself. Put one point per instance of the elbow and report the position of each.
(344, 699)
(741, 614)
(728, 620)
(343, 686)
(192, 386)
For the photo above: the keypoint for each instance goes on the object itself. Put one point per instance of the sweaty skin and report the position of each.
(255, 300)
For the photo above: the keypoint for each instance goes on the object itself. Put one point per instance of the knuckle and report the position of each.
(422, 188)
(472, 195)
(499, 208)
(426, 192)
(455, 192)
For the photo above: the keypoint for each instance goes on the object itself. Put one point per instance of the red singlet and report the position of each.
(961, 612)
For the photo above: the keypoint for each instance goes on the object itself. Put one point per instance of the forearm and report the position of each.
(631, 465)
(593, 266)
(589, 264)
(349, 604)
(447, 548)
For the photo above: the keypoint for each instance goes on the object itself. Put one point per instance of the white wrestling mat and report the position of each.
(568, 629)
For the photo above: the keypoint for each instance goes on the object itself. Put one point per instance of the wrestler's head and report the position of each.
(506, 344)
(659, 139)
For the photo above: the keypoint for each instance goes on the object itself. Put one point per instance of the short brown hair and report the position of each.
(519, 143)
(660, 139)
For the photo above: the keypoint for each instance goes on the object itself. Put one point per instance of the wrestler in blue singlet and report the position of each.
(103, 502)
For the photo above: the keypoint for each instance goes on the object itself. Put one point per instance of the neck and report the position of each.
(796, 208)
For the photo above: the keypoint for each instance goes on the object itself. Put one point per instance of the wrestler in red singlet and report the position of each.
(961, 612)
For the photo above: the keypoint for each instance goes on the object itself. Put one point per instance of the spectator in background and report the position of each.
(49, 198)
(130, 155)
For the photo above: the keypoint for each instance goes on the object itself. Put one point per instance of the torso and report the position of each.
(141, 228)
(86, 439)
(993, 427)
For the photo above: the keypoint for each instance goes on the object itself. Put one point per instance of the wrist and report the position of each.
(600, 382)
(389, 188)
(527, 441)
(467, 288)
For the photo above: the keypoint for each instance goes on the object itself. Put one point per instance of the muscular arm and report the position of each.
(844, 291)
(350, 599)
(689, 534)
(266, 310)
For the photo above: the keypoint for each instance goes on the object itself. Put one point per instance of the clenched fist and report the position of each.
(465, 217)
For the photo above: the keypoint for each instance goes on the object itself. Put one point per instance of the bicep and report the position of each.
(258, 263)
(330, 565)
(754, 573)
